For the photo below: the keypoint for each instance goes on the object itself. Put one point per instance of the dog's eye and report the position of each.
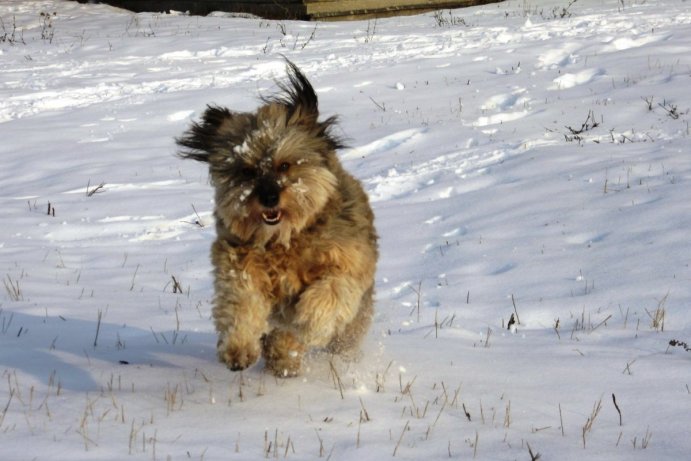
(283, 167)
(248, 172)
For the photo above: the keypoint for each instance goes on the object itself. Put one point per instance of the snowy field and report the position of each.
(523, 158)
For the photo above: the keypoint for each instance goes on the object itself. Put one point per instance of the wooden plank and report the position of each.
(276, 9)
(328, 10)
(360, 9)
(377, 4)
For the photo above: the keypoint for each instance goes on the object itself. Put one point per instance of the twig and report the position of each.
(98, 327)
(418, 292)
(627, 369)
(91, 192)
(649, 102)
(321, 444)
(601, 323)
(176, 285)
(670, 108)
(489, 333)
(310, 38)
(364, 415)
(382, 107)
(588, 125)
(199, 219)
(674, 342)
(614, 400)
(513, 301)
(533, 456)
(467, 415)
(512, 322)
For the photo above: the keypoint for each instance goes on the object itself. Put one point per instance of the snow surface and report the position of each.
(522, 157)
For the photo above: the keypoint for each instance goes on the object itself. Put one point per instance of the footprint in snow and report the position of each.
(384, 144)
(569, 80)
(558, 57)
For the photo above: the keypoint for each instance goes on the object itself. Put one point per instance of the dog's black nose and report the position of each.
(268, 192)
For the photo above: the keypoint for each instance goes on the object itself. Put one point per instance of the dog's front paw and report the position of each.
(237, 356)
(283, 353)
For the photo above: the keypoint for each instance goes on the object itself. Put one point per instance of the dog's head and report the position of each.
(274, 170)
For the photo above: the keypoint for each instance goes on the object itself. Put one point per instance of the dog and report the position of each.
(296, 248)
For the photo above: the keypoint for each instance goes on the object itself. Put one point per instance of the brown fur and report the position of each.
(296, 249)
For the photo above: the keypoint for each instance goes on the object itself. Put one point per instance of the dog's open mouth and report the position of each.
(272, 216)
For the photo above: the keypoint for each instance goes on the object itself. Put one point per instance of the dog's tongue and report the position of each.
(272, 216)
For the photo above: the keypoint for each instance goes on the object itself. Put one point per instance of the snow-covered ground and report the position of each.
(525, 158)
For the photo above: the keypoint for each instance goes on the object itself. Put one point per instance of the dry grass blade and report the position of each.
(400, 439)
(13, 289)
(336, 378)
(588, 426)
(7, 407)
(657, 317)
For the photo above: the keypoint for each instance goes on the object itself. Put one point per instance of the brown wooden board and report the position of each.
(297, 9)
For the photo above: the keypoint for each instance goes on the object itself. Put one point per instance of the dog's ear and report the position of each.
(300, 99)
(201, 139)
(219, 130)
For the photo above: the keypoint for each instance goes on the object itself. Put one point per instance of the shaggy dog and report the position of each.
(296, 249)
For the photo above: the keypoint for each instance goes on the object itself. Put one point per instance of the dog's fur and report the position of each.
(296, 249)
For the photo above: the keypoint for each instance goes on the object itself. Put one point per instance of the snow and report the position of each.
(518, 162)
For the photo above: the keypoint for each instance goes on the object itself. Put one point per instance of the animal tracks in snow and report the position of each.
(570, 80)
(625, 43)
(111, 187)
(111, 215)
(558, 57)
(35, 90)
(387, 143)
(509, 107)
(126, 227)
(426, 173)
